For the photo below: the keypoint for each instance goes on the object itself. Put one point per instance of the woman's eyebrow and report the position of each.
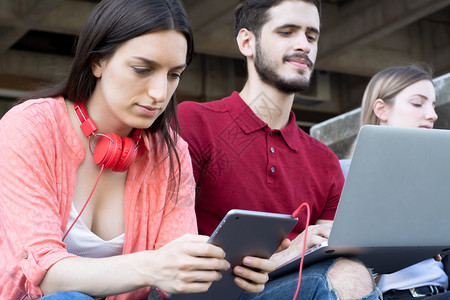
(153, 62)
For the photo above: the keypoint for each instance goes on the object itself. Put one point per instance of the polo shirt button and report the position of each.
(272, 169)
(270, 133)
(24, 255)
(272, 150)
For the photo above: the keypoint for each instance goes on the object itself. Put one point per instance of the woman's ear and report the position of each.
(380, 109)
(245, 41)
(97, 68)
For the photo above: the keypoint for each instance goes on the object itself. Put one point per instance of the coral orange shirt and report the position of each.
(39, 155)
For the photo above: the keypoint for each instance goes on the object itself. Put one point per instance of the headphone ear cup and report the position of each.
(127, 156)
(108, 150)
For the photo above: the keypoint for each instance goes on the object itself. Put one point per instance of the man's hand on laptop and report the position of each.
(317, 234)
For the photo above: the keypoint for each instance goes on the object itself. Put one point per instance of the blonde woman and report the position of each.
(404, 96)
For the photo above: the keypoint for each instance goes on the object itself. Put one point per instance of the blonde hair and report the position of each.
(386, 85)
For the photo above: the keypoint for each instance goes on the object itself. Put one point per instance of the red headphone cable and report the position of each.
(85, 204)
(308, 215)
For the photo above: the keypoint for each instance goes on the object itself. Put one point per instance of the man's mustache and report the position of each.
(301, 56)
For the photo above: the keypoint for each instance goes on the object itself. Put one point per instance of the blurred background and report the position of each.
(358, 39)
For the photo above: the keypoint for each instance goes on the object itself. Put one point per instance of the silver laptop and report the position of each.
(394, 209)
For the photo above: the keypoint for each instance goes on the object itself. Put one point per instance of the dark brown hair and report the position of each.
(252, 14)
(110, 24)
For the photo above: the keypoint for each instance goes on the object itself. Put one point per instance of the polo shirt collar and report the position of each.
(290, 133)
(242, 114)
(246, 119)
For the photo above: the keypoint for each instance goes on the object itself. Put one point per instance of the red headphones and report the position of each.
(111, 151)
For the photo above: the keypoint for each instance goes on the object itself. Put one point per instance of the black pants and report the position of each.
(390, 295)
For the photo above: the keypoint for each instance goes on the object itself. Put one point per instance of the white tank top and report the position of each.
(427, 272)
(81, 241)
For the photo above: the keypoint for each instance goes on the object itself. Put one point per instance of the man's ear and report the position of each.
(380, 109)
(246, 42)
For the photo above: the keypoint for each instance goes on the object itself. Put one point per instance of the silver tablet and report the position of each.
(243, 233)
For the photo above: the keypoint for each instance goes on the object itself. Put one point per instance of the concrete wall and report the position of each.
(211, 77)
(340, 132)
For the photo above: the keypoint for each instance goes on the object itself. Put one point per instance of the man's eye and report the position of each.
(284, 32)
(312, 38)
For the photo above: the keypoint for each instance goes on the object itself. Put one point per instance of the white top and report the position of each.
(427, 272)
(81, 241)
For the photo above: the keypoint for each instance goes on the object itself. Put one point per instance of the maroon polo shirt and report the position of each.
(239, 162)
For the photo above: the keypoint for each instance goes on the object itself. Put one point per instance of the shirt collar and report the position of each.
(291, 133)
(242, 114)
(246, 119)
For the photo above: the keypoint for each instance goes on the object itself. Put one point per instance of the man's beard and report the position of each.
(267, 73)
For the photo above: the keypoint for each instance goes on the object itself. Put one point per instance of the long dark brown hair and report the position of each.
(110, 24)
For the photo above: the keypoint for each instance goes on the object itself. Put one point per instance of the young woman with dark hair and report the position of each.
(96, 187)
